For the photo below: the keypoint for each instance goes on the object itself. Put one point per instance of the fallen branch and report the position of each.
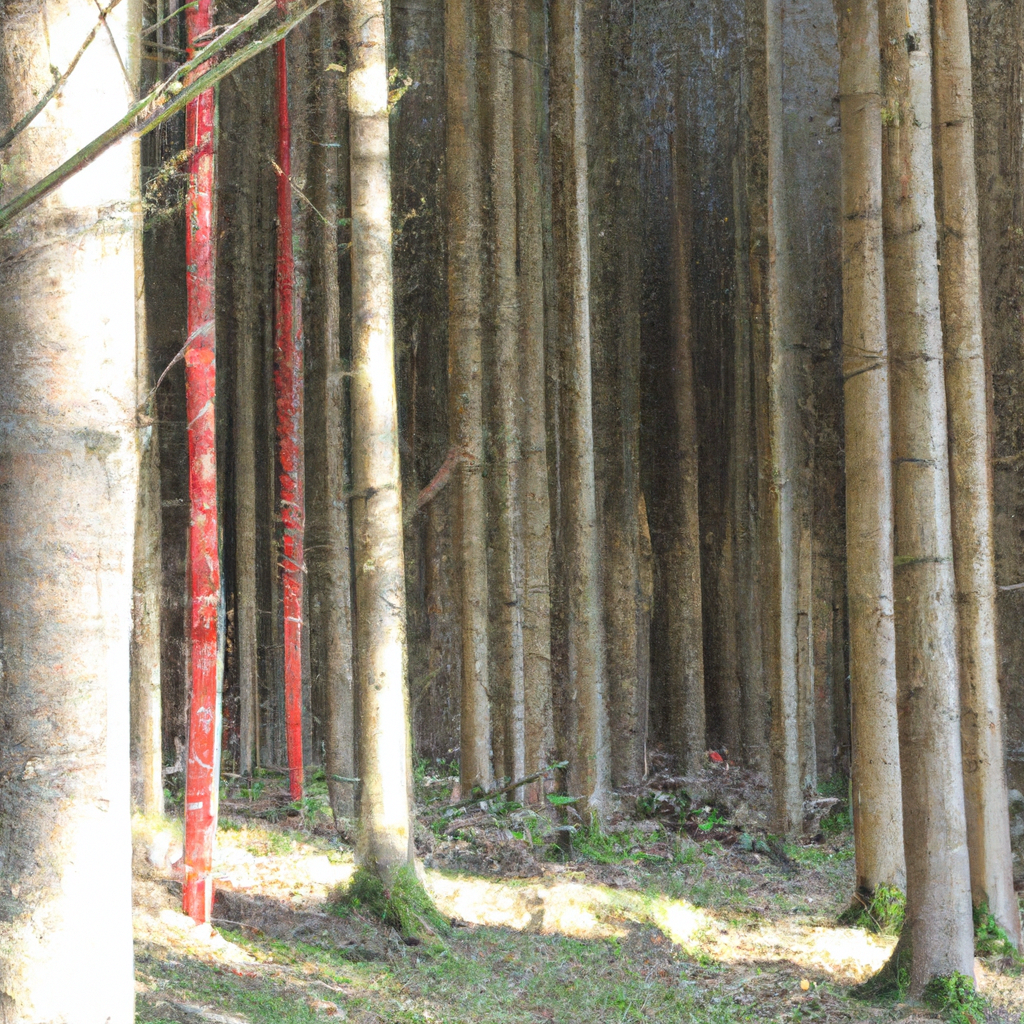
(440, 481)
(492, 793)
(142, 118)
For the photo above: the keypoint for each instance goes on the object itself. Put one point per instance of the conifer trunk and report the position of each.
(385, 749)
(465, 301)
(528, 29)
(201, 787)
(589, 760)
(985, 795)
(939, 920)
(68, 485)
(877, 819)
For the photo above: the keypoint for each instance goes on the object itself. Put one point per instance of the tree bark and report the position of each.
(332, 556)
(505, 573)
(939, 919)
(68, 487)
(682, 589)
(465, 301)
(589, 763)
(782, 554)
(985, 795)
(527, 84)
(201, 786)
(385, 749)
(877, 820)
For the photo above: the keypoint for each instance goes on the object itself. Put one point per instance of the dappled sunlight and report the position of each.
(584, 911)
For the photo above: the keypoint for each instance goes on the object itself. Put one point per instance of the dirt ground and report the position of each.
(684, 910)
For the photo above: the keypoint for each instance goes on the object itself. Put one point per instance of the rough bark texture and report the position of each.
(201, 786)
(615, 296)
(939, 917)
(385, 750)
(589, 762)
(505, 571)
(465, 299)
(876, 806)
(985, 796)
(683, 614)
(330, 553)
(528, 98)
(68, 470)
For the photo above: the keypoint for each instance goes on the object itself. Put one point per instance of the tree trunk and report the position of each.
(985, 795)
(782, 555)
(332, 554)
(528, 29)
(68, 484)
(589, 761)
(201, 786)
(877, 820)
(385, 750)
(939, 920)
(682, 588)
(288, 403)
(465, 300)
(505, 574)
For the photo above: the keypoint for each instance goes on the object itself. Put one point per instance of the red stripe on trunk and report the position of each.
(204, 560)
(288, 392)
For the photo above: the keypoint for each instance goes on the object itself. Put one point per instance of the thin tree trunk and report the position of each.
(334, 554)
(939, 921)
(877, 818)
(985, 794)
(682, 588)
(288, 403)
(528, 24)
(385, 749)
(589, 763)
(201, 787)
(781, 557)
(68, 478)
(465, 301)
(505, 576)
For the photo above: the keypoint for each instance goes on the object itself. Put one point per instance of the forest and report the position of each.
(511, 510)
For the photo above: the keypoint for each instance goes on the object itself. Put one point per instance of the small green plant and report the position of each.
(713, 820)
(955, 997)
(990, 939)
(253, 792)
(883, 913)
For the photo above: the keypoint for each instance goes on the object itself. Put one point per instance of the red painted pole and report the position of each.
(204, 558)
(288, 390)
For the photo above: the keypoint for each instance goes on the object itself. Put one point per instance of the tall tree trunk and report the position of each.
(939, 920)
(288, 402)
(682, 565)
(877, 820)
(589, 761)
(528, 42)
(68, 469)
(985, 796)
(330, 557)
(782, 555)
(465, 301)
(385, 750)
(615, 348)
(505, 574)
(201, 787)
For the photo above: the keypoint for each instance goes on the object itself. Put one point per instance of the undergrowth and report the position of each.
(883, 912)
(990, 939)
(956, 999)
(403, 905)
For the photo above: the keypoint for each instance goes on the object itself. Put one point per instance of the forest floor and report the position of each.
(684, 911)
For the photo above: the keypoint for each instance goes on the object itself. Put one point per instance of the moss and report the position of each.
(403, 904)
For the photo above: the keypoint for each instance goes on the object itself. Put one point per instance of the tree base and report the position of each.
(403, 904)
(892, 982)
(881, 911)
